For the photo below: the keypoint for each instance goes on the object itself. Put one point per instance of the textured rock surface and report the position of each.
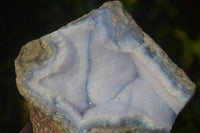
(102, 73)
(41, 123)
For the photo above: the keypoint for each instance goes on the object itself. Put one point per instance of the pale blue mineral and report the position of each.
(103, 72)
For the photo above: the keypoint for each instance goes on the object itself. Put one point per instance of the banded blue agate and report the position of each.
(103, 72)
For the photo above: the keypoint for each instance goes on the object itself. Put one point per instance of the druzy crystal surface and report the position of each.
(103, 71)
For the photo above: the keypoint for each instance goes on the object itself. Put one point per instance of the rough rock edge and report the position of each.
(39, 50)
(41, 123)
(32, 53)
(177, 72)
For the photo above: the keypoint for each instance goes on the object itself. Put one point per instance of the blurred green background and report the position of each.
(174, 24)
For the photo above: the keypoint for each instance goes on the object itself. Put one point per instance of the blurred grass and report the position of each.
(172, 24)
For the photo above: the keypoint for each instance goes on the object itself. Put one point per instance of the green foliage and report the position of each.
(173, 24)
(25, 112)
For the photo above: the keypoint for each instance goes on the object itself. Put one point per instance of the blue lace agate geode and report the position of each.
(103, 71)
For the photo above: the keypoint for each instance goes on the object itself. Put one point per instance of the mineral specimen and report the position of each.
(102, 73)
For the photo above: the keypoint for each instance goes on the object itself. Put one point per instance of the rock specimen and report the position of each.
(102, 73)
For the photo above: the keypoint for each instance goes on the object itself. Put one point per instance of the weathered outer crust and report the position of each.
(177, 72)
(38, 50)
(32, 53)
(41, 123)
